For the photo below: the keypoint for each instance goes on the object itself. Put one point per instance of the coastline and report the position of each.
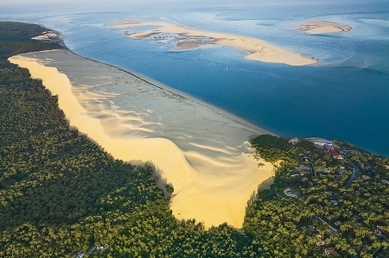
(201, 150)
(258, 50)
(182, 94)
(315, 27)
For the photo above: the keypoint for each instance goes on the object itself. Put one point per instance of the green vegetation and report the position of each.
(61, 194)
(272, 148)
(16, 37)
(331, 210)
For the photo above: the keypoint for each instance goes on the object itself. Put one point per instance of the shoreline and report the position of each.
(181, 94)
(316, 27)
(201, 150)
(257, 49)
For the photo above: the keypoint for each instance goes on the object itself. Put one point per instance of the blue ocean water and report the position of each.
(345, 96)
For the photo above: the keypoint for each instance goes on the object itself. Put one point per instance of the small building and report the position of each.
(335, 202)
(78, 254)
(380, 227)
(337, 156)
(294, 140)
(377, 232)
(98, 249)
(330, 251)
(329, 217)
(365, 177)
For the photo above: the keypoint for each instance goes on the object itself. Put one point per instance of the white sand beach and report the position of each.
(201, 151)
(321, 27)
(258, 50)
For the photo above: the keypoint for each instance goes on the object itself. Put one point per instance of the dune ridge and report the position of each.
(204, 154)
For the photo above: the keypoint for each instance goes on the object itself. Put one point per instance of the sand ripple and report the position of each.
(201, 152)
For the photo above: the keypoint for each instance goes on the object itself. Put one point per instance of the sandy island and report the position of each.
(200, 150)
(321, 27)
(187, 38)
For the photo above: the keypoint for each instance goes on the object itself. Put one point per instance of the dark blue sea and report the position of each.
(345, 96)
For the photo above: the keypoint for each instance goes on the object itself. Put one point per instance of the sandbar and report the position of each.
(259, 50)
(321, 27)
(202, 151)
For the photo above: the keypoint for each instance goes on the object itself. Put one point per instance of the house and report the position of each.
(331, 152)
(304, 173)
(341, 170)
(294, 140)
(102, 248)
(377, 232)
(78, 254)
(319, 144)
(98, 249)
(329, 217)
(337, 156)
(330, 251)
(335, 202)
(380, 227)
(384, 181)
(365, 177)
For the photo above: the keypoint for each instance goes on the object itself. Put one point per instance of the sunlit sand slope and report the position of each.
(200, 150)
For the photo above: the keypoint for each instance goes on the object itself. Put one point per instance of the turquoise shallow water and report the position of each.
(345, 96)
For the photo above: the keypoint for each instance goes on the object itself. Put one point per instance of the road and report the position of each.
(311, 165)
(355, 168)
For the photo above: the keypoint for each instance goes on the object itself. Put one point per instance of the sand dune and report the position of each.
(201, 151)
(258, 50)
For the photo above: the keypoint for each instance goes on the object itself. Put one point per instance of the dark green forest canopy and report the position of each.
(16, 37)
(60, 193)
(345, 206)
